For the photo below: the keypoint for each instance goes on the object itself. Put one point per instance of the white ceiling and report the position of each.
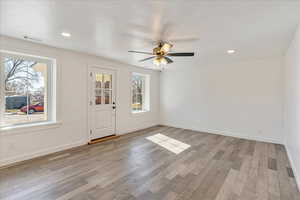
(110, 28)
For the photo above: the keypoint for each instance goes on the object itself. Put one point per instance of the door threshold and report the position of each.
(106, 138)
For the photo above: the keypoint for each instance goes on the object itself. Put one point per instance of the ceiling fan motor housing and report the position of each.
(157, 51)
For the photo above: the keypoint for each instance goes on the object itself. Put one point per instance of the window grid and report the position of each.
(103, 89)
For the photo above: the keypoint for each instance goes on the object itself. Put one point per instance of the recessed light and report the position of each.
(230, 51)
(65, 34)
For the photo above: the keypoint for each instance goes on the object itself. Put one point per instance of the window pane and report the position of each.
(37, 93)
(107, 81)
(99, 79)
(98, 89)
(107, 96)
(25, 88)
(139, 102)
(98, 96)
(98, 100)
(138, 92)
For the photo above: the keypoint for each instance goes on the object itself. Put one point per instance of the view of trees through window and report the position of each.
(25, 95)
(138, 85)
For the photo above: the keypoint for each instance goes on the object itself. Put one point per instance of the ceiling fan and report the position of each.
(161, 54)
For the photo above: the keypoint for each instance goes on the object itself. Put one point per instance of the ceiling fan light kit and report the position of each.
(160, 60)
(156, 61)
(161, 54)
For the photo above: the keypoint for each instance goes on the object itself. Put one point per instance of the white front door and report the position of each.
(102, 108)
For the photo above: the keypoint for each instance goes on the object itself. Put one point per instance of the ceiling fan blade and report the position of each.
(147, 59)
(168, 60)
(141, 52)
(181, 54)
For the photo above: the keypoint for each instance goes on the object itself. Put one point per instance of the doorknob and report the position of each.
(114, 107)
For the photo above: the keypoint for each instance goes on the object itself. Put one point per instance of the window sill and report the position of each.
(11, 130)
(139, 111)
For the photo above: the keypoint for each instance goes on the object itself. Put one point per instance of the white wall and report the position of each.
(242, 99)
(292, 104)
(72, 104)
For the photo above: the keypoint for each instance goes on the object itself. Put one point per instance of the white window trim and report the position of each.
(146, 94)
(52, 96)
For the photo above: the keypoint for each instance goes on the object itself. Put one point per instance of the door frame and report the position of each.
(89, 94)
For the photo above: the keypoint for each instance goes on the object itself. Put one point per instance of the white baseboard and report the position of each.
(228, 133)
(144, 126)
(296, 174)
(6, 162)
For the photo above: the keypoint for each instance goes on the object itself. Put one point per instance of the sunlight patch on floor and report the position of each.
(168, 143)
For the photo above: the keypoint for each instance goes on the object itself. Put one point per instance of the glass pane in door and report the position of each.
(107, 96)
(98, 96)
(107, 79)
(99, 79)
(98, 88)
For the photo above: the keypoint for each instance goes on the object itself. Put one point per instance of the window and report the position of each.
(103, 89)
(140, 92)
(26, 91)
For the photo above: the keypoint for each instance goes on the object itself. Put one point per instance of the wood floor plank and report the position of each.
(132, 167)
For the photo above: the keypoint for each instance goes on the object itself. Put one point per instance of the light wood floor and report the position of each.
(132, 167)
